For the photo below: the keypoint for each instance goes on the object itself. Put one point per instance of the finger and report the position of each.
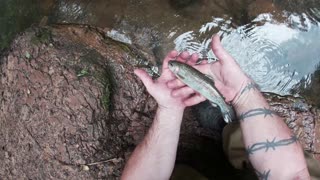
(170, 56)
(145, 78)
(219, 51)
(184, 56)
(183, 92)
(201, 61)
(167, 75)
(193, 59)
(175, 84)
(193, 100)
(204, 62)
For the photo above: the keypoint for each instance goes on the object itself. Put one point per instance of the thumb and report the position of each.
(145, 78)
(219, 51)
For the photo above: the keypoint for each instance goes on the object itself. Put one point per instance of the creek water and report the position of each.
(275, 42)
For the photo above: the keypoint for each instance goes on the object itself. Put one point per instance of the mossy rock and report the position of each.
(69, 94)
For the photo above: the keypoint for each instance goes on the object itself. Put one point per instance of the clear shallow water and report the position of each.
(277, 55)
(275, 42)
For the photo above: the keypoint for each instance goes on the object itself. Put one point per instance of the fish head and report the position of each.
(173, 66)
(179, 69)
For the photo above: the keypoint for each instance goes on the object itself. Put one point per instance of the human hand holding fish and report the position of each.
(170, 98)
(227, 75)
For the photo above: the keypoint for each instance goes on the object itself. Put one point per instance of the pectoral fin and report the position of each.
(180, 77)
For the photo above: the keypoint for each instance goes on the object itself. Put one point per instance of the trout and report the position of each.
(203, 85)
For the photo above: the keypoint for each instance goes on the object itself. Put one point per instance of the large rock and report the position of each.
(68, 98)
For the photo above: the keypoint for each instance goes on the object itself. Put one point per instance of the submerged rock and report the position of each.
(302, 118)
(71, 108)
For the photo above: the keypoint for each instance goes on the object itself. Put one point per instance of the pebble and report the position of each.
(84, 168)
(121, 127)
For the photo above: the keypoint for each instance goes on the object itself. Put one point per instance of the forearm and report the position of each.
(154, 157)
(272, 149)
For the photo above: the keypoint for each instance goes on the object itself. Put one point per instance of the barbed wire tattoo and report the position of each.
(263, 175)
(271, 144)
(255, 112)
(248, 87)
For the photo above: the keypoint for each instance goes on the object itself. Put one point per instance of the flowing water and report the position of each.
(275, 42)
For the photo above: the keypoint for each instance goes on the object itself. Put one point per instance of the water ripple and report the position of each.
(200, 41)
(277, 55)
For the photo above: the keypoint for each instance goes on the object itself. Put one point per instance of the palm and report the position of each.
(172, 97)
(162, 93)
(228, 77)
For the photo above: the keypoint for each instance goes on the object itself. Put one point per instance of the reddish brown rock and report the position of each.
(302, 119)
(67, 97)
(316, 145)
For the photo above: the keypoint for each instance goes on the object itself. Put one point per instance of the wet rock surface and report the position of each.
(71, 108)
(302, 118)
(68, 96)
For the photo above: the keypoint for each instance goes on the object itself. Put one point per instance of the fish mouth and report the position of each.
(174, 68)
(170, 64)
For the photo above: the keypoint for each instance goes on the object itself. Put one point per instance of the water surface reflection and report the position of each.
(276, 49)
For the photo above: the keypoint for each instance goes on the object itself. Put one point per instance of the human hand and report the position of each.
(229, 79)
(174, 98)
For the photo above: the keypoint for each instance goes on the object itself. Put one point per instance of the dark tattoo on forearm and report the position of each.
(255, 112)
(271, 144)
(263, 175)
(248, 87)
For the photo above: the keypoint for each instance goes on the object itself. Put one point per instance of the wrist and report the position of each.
(250, 100)
(247, 87)
(170, 110)
(169, 118)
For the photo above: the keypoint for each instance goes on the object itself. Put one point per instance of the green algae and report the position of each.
(83, 72)
(42, 36)
(91, 64)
